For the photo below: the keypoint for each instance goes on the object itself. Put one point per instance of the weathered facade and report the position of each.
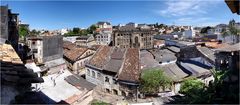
(103, 38)
(76, 57)
(227, 58)
(109, 68)
(131, 37)
(16, 79)
(86, 41)
(9, 26)
(48, 50)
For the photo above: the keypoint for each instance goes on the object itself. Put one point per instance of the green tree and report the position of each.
(191, 86)
(34, 32)
(193, 90)
(182, 30)
(92, 29)
(84, 32)
(23, 31)
(76, 30)
(97, 102)
(156, 25)
(218, 92)
(176, 29)
(205, 29)
(152, 79)
(162, 26)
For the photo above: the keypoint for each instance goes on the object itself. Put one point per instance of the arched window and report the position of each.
(88, 72)
(99, 75)
(93, 74)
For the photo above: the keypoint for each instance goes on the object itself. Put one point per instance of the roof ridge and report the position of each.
(124, 57)
(109, 56)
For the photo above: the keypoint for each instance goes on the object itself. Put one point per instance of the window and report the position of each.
(93, 74)
(78, 65)
(33, 43)
(106, 79)
(99, 75)
(114, 82)
(88, 72)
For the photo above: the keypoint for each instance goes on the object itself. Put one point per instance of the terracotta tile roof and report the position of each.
(8, 54)
(95, 47)
(131, 67)
(124, 62)
(101, 57)
(229, 48)
(118, 53)
(216, 44)
(68, 45)
(115, 63)
(74, 53)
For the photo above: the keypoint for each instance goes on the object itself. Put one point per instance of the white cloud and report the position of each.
(195, 21)
(176, 8)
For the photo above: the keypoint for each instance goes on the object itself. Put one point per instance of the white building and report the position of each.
(103, 38)
(188, 34)
(104, 27)
(70, 38)
(131, 24)
(63, 31)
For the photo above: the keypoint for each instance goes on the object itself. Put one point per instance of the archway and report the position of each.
(115, 92)
(123, 94)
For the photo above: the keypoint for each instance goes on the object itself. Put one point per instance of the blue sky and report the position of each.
(68, 14)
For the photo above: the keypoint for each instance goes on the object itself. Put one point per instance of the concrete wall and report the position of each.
(189, 34)
(52, 48)
(4, 22)
(110, 86)
(57, 69)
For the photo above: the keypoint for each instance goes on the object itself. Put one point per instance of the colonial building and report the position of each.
(86, 41)
(76, 57)
(104, 27)
(115, 70)
(104, 33)
(131, 37)
(103, 39)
